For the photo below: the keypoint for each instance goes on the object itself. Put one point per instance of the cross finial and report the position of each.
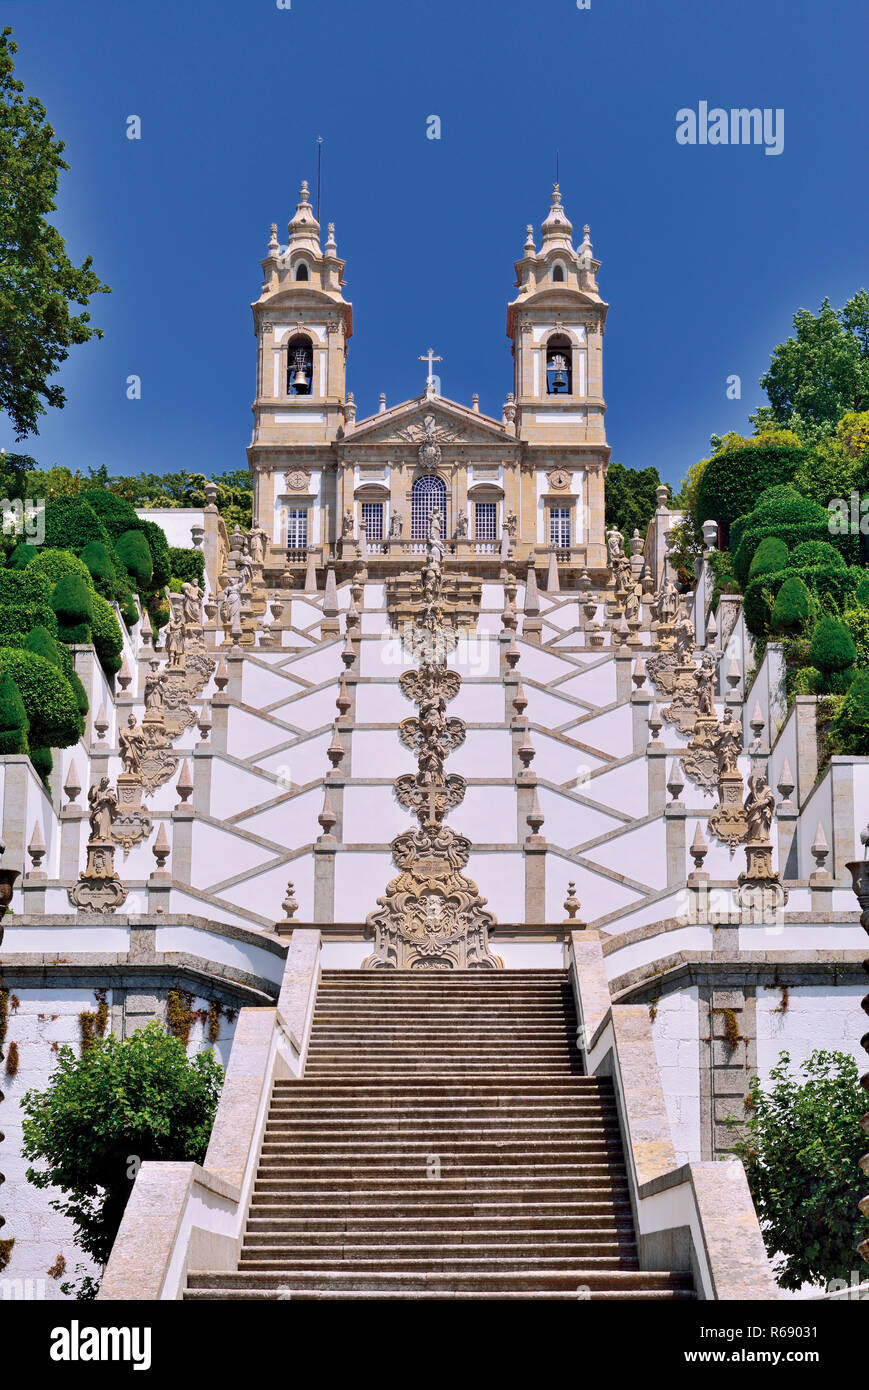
(430, 358)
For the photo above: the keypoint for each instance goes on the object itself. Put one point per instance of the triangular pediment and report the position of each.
(421, 420)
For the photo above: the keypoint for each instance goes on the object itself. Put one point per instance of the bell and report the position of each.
(300, 381)
(560, 376)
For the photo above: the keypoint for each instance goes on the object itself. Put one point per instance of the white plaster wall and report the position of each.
(484, 753)
(624, 788)
(596, 685)
(360, 879)
(487, 815)
(549, 710)
(378, 753)
(302, 762)
(478, 703)
(817, 1016)
(292, 822)
(309, 712)
(598, 895)
(372, 815)
(676, 1032)
(569, 823)
(501, 880)
(383, 702)
(639, 853)
(219, 855)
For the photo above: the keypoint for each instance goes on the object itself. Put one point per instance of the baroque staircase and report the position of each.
(442, 1144)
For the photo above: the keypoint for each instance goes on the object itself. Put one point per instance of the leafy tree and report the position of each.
(733, 478)
(822, 372)
(143, 1097)
(802, 1146)
(630, 498)
(38, 281)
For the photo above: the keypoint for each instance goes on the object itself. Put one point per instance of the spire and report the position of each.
(304, 229)
(557, 228)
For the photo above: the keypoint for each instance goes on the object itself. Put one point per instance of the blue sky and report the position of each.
(707, 250)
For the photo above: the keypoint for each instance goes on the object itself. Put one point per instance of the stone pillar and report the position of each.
(805, 707)
(675, 816)
(624, 660)
(656, 760)
(18, 772)
(640, 702)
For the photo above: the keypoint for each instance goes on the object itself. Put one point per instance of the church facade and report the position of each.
(325, 480)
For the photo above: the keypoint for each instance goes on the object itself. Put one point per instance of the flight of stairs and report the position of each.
(443, 1144)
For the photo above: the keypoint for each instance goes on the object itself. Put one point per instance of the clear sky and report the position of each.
(707, 250)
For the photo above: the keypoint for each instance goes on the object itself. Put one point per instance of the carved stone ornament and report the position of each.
(98, 889)
(682, 710)
(158, 762)
(700, 759)
(662, 671)
(429, 437)
(131, 821)
(298, 480)
(728, 821)
(559, 479)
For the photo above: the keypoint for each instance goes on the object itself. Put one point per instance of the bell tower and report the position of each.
(556, 323)
(302, 324)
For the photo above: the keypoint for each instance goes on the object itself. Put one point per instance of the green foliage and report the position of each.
(862, 592)
(826, 472)
(13, 717)
(51, 708)
(792, 607)
(686, 547)
(24, 602)
(101, 568)
(801, 1153)
(53, 564)
(186, 565)
(832, 588)
(116, 514)
(159, 546)
(833, 652)
(734, 477)
(807, 681)
(74, 603)
(70, 524)
(809, 553)
(107, 637)
(849, 727)
(630, 498)
(22, 555)
(781, 513)
(42, 762)
(38, 281)
(822, 372)
(771, 555)
(183, 489)
(134, 552)
(143, 1097)
(41, 641)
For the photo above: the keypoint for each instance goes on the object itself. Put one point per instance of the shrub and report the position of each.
(849, 727)
(101, 568)
(50, 706)
(40, 640)
(779, 512)
(54, 564)
(857, 622)
(13, 717)
(134, 552)
(116, 514)
(809, 553)
(42, 762)
(22, 555)
(833, 590)
(159, 553)
(734, 477)
(17, 619)
(771, 555)
(833, 652)
(141, 1096)
(863, 591)
(70, 524)
(186, 565)
(73, 604)
(107, 637)
(792, 607)
(130, 612)
(807, 681)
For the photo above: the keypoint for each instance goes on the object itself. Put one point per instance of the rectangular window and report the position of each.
(559, 527)
(372, 520)
(485, 521)
(297, 528)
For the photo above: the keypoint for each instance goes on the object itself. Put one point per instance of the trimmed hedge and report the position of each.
(771, 555)
(42, 762)
(849, 727)
(732, 479)
(134, 552)
(107, 638)
(70, 524)
(833, 653)
(73, 602)
(101, 568)
(54, 564)
(50, 706)
(159, 553)
(833, 590)
(17, 619)
(22, 555)
(186, 565)
(116, 514)
(809, 553)
(780, 513)
(13, 717)
(792, 607)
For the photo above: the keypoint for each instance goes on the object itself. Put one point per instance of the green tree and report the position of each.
(38, 281)
(802, 1146)
(143, 1097)
(792, 607)
(821, 372)
(630, 498)
(833, 652)
(13, 717)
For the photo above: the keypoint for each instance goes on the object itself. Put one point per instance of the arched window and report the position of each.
(300, 366)
(302, 272)
(558, 366)
(428, 492)
(558, 272)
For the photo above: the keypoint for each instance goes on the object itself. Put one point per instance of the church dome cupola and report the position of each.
(303, 228)
(557, 230)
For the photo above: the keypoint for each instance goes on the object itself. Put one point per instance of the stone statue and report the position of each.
(230, 606)
(154, 689)
(729, 744)
(632, 603)
(395, 524)
(347, 522)
(256, 546)
(684, 630)
(191, 603)
(435, 536)
(132, 745)
(512, 525)
(667, 602)
(245, 575)
(175, 639)
(102, 801)
(615, 547)
(705, 678)
(461, 526)
(759, 806)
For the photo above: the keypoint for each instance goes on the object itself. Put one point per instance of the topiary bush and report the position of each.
(116, 514)
(809, 553)
(159, 547)
(807, 681)
(24, 601)
(101, 568)
(107, 637)
(733, 478)
(779, 512)
(833, 589)
(13, 717)
(70, 524)
(792, 607)
(73, 604)
(42, 762)
(22, 555)
(771, 555)
(833, 652)
(53, 564)
(52, 713)
(134, 553)
(186, 565)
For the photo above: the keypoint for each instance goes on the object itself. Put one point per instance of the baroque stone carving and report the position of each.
(99, 889)
(298, 480)
(432, 916)
(559, 479)
(760, 889)
(429, 437)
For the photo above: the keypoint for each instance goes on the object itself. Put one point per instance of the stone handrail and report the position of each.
(696, 1217)
(182, 1216)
